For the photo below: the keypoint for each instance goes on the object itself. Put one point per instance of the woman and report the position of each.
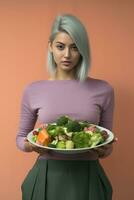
(69, 91)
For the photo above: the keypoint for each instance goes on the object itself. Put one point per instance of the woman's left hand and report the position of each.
(106, 150)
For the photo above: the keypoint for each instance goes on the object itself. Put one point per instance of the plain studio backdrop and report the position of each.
(25, 27)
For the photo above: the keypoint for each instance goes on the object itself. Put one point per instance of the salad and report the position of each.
(67, 133)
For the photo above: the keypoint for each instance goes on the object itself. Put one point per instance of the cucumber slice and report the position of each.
(52, 145)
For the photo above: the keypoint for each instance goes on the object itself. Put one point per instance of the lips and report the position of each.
(66, 62)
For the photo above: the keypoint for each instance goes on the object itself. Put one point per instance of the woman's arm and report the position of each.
(28, 117)
(106, 120)
(106, 117)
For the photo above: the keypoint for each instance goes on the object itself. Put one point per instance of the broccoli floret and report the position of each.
(96, 138)
(81, 139)
(51, 129)
(84, 124)
(54, 130)
(69, 144)
(73, 126)
(61, 145)
(62, 120)
(60, 130)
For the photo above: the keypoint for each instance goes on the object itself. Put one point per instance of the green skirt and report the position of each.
(66, 180)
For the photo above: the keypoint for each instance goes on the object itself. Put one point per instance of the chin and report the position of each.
(67, 68)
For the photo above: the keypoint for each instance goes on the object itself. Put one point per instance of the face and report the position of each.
(65, 52)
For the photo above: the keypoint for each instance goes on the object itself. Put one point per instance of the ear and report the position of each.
(50, 47)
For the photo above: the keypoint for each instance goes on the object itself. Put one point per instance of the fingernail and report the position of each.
(116, 139)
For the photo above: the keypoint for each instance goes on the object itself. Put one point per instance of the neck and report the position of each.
(60, 75)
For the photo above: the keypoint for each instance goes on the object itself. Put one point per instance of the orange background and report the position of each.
(25, 27)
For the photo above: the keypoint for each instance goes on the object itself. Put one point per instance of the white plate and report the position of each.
(73, 151)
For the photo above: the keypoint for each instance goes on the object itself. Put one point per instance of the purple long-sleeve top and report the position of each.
(46, 100)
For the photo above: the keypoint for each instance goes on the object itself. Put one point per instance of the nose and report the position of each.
(67, 53)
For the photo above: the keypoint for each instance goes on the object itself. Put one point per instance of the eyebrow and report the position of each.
(73, 44)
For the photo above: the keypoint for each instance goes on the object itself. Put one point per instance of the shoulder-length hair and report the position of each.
(71, 25)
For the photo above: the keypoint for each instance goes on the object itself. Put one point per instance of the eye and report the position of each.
(74, 48)
(60, 46)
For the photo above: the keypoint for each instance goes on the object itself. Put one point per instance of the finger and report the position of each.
(40, 150)
(104, 148)
(100, 152)
(114, 140)
(99, 149)
(25, 139)
(34, 146)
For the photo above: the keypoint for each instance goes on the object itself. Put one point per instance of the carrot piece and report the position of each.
(43, 137)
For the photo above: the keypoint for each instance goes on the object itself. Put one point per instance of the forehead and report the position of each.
(64, 38)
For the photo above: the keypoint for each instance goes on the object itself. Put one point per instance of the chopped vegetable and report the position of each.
(62, 120)
(54, 130)
(61, 145)
(96, 139)
(35, 132)
(69, 144)
(43, 138)
(52, 145)
(104, 134)
(34, 138)
(73, 126)
(81, 139)
(84, 124)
